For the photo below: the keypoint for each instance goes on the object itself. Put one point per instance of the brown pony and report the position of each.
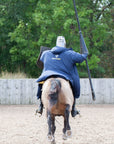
(57, 98)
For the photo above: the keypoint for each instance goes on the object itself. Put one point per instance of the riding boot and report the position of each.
(74, 111)
(40, 107)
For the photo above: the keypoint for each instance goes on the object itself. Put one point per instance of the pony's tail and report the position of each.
(54, 91)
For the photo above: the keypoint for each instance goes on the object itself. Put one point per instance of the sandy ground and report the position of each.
(20, 125)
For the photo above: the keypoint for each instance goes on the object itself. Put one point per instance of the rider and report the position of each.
(61, 61)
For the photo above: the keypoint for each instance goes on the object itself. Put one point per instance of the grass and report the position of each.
(9, 75)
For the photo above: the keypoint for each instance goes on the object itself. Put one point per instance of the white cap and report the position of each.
(61, 41)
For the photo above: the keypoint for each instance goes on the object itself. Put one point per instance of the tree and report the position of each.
(20, 34)
(26, 25)
(58, 18)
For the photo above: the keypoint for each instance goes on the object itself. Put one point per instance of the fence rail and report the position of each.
(23, 91)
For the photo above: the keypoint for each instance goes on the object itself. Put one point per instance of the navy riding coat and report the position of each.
(61, 62)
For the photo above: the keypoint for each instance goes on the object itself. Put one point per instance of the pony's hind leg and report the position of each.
(66, 130)
(51, 127)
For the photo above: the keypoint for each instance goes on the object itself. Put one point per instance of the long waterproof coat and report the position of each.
(60, 61)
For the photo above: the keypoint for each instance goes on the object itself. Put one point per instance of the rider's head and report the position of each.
(61, 41)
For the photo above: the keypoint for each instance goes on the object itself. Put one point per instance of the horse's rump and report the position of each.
(56, 94)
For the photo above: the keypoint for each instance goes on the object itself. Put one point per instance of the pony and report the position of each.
(57, 99)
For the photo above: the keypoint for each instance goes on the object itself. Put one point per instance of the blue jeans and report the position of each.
(39, 92)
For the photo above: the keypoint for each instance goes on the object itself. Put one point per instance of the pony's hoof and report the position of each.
(65, 136)
(51, 138)
(69, 133)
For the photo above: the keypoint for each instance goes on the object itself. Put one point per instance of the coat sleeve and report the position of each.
(77, 57)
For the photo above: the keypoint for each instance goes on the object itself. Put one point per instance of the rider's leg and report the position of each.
(76, 93)
(39, 93)
(74, 111)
